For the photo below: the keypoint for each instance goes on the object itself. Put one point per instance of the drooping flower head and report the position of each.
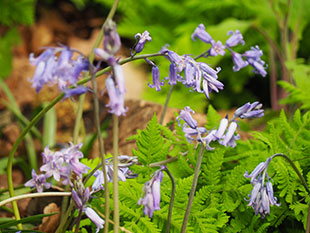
(234, 39)
(201, 34)
(156, 82)
(142, 38)
(112, 41)
(116, 98)
(151, 194)
(262, 194)
(253, 58)
(216, 49)
(249, 110)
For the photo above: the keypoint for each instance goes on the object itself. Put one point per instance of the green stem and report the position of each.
(170, 160)
(202, 55)
(15, 146)
(308, 220)
(166, 105)
(77, 226)
(193, 189)
(39, 116)
(115, 174)
(302, 179)
(30, 195)
(171, 199)
(101, 149)
(61, 227)
(78, 119)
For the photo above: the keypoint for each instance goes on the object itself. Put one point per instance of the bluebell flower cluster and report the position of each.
(59, 165)
(62, 70)
(150, 198)
(225, 133)
(262, 194)
(115, 83)
(251, 57)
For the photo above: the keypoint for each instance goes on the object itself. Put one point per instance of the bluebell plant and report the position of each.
(262, 194)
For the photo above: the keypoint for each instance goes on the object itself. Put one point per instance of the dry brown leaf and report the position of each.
(50, 223)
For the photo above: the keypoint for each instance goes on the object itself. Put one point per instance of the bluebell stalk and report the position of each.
(150, 198)
(262, 194)
(80, 196)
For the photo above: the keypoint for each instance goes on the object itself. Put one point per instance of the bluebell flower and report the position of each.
(201, 34)
(172, 74)
(217, 49)
(253, 58)
(262, 194)
(38, 181)
(190, 132)
(111, 41)
(208, 139)
(186, 116)
(230, 137)
(150, 198)
(222, 128)
(249, 111)
(142, 39)
(74, 91)
(116, 98)
(156, 82)
(94, 217)
(238, 61)
(234, 39)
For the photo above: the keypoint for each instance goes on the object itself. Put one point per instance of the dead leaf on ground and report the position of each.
(50, 223)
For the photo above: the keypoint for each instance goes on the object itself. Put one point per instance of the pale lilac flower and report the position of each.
(53, 166)
(209, 138)
(38, 181)
(112, 41)
(253, 58)
(116, 103)
(156, 82)
(249, 110)
(94, 217)
(119, 77)
(201, 34)
(74, 91)
(172, 74)
(190, 132)
(151, 191)
(142, 39)
(222, 128)
(262, 195)
(234, 39)
(229, 138)
(216, 49)
(254, 53)
(186, 116)
(238, 61)
(259, 66)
